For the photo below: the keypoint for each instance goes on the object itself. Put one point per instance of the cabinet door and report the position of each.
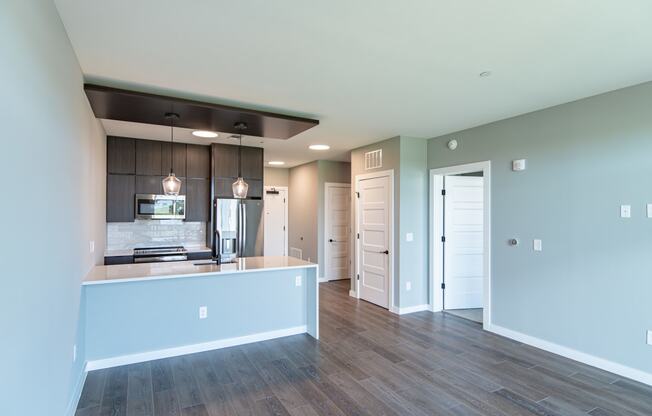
(198, 161)
(120, 155)
(179, 159)
(255, 190)
(226, 160)
(252, 163)
(120, 194)
(148, 157)
(224, 187)
(149, 184)
(197, 199)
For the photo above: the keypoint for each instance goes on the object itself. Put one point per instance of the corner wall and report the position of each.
(54, 157)
(303, 209)
(589, 289)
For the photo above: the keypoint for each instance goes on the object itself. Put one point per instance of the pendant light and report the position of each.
(240, 187)
(171, 184)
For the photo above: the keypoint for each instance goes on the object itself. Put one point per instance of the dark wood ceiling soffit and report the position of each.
(118, 104)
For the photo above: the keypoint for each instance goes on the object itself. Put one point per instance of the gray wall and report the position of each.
(277, 176)
(328, 171)
(54, 154)
(589, 289)
(303, 209)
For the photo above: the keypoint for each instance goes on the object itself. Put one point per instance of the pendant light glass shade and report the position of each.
(240, 189)
(171, 185)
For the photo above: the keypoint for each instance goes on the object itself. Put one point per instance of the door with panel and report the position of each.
(337, 209)
(276, 214)
(374, 227)
(463, 246)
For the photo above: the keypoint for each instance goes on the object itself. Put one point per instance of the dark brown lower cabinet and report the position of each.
(120, 192)
(197, 199)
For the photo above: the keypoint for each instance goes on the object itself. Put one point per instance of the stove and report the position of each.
(160, 254)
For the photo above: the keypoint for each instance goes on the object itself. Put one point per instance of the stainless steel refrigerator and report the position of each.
(238, 228)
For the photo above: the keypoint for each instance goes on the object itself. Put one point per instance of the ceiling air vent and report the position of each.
(373, 159)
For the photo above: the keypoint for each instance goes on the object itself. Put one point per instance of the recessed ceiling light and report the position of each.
(276, 162)
(485, 74)
(319, 147)
(204, 133)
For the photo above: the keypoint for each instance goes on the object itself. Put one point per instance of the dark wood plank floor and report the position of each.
(368, 362)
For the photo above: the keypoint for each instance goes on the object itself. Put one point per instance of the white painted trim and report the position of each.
(353, 294)
(76, 393)
(588, 359)
(327, 186)
(323, 280)
(392, 249)
(287, 225)
(191, 349)
(436, 273)
(412, 309)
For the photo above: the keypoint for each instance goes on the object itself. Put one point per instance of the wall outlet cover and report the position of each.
(649, 210)
(537, 245)
(625, 211)
(91, 246)
(649, 337)
(297, 281)
(408, 286)
(74, 353)
(518, 165)
(409, 237)
(203, 312)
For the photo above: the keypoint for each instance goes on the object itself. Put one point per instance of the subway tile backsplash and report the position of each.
(152, 233)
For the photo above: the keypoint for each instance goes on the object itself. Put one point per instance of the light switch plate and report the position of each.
(409, 237)
(203, 312)
(649, 337)
(408, 286)
(537, 245)
(518, 165)
(625, 211)
(649, 210)
(91, 246)
(297, 281)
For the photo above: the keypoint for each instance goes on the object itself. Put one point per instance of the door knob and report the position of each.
(384, 252)
(331, 240)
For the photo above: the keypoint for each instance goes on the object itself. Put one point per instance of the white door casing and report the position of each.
(375, 242)
(337, 226)
(463, 247)
(276, 219)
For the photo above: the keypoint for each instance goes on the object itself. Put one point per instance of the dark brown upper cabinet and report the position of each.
(226, 160)
(120, 196)
(120, 155)
(252, 163)
(198, 161)
(179, 159)
(198, 198)
(149, 157)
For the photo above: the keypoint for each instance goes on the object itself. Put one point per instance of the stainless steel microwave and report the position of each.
(160, 207)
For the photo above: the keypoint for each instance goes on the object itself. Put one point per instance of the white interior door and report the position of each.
(338, 231)
(275, 240)
(463, 248)
(374, 229)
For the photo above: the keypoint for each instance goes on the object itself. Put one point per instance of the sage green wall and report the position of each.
(328, 171)
(277, 177)
(590, 287)
(53, 154)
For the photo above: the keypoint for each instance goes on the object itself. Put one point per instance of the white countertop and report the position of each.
(153, 271)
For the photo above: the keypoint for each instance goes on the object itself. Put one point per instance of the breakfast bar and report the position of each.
(139, 312)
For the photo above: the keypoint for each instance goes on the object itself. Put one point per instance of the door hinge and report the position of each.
(443, 192)
(284, 228)
(284, 200)
(357, 194)
(443, 239)
(358, 236)
(358, 278)
(443, 285)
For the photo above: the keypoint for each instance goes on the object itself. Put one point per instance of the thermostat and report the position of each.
(518, 165)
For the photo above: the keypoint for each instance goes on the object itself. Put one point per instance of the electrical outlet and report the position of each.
(408, 286)
(74, 353)
(91, 246)
(203, 312)
(297, 281)
(537, 245)
(649, 210)
(409, 237)
(649, 337)
(625, 211)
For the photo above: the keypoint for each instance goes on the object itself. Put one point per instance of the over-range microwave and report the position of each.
(160, 207)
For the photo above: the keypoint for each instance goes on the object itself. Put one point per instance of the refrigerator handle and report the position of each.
(244, 229)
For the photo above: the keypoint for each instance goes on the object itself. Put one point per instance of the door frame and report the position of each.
(287, 205)
(327, 186)
(436, 208)
(356, 255)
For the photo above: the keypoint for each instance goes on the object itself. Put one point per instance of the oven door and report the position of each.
(160, 207)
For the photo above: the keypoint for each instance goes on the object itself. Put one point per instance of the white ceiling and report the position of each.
(367, 69)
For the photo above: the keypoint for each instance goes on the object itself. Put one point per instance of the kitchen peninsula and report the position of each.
(140, 312)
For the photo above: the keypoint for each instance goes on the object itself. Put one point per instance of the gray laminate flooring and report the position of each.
(474, 315)
(368, 362)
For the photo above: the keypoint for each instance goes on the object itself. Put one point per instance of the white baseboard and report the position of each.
(323, 280)
(353, 294)
(76, 394)
(620, 369)
(193, 348)
(410, 309)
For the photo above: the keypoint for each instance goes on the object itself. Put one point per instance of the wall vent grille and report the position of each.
(373, 159)
(296, 252)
